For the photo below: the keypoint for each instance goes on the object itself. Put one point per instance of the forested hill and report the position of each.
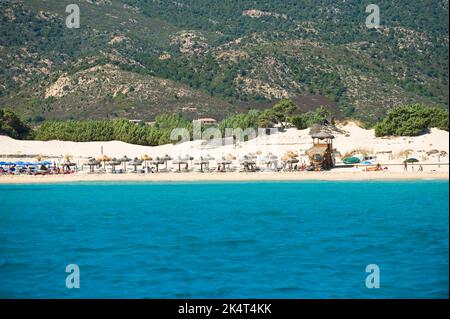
(137, 58)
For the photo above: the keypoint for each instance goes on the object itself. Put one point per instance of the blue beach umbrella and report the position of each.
(44, 163)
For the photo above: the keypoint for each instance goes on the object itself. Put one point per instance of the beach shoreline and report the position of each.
(429, 153)
(227, 177)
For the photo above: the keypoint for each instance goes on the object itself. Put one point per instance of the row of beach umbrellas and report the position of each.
(113, 162)
(145, 159)
(248, 160)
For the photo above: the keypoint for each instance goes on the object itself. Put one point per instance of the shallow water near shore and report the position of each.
(225, 240)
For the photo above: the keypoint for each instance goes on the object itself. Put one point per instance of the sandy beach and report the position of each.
(430, 149)
(226, 177)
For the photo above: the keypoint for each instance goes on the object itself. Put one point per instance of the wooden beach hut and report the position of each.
(321, 154)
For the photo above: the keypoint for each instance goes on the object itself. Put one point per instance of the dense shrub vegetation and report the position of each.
(279, 114)
(12, 125)
(108, 130)
(305, 120)
(407, 120)
(412, 120)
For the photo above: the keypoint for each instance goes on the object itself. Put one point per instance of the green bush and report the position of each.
(412, 120)
(278, 114)
(305, 120)
(250, 119)
(121, 130)
(13, 126)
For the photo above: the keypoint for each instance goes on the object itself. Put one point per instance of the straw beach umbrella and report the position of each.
(135, 162)
(104, 159)
(92, 162)
(40, 158)
(273, 159)
(208, 158)
(165, 159)
(113, 163)
(202, 162)
(67, 162)
(68, 157)
(157, 161)
(289, 159)
(187, 158)
(224, 162)
(182, 160)
(178, 162)
(270, 160)
(146, 158)
(248, 162)
(124, 160)
(67, 165)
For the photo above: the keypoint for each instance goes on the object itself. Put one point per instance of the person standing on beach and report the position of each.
(405, 166)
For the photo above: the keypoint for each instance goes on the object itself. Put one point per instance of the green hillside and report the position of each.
(137, 59)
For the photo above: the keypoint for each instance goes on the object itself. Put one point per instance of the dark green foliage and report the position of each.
(250, 119)
(305, 120)
(299, 122)
(412, 120)
(282, 111)
(13, 126)
(109, 130)
(407, 120)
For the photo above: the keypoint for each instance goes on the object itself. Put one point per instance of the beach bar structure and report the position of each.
(321, 154)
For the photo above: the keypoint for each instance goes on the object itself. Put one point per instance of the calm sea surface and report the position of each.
(225, 240)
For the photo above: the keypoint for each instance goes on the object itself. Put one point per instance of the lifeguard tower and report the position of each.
(321, 154)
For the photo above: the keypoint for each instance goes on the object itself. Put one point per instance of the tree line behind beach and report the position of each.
(407, 120)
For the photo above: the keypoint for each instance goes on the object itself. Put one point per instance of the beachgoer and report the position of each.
(405, 166)
(420, 168)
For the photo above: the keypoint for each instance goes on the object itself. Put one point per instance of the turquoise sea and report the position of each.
(225, 240)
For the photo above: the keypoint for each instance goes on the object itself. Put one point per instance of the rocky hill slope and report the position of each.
(136, 59)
